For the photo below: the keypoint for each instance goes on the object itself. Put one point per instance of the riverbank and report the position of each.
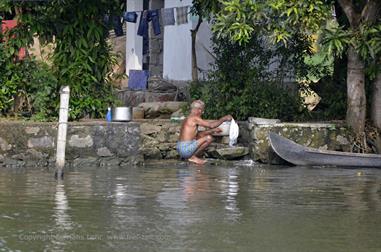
(100, 143)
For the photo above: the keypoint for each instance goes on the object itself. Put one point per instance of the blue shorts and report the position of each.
(186, 149)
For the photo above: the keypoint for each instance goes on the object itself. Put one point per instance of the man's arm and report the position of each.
(208, 132)
(213, 124)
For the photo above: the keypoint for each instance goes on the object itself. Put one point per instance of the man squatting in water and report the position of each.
(192, 143)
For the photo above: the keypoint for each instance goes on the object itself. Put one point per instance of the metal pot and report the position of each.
(122, 114)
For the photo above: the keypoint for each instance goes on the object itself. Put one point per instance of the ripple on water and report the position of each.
(185, 208)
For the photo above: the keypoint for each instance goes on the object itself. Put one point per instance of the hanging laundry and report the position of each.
(145, 18)
(168, 16)
(130, 16)
(182, 15)
(118, 26)
(153, 15)
(143, 24)
(138, 79)
(106, 20)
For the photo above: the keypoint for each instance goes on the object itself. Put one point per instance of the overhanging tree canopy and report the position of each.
(280, 20)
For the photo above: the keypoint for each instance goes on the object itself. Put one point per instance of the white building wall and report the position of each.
(204, 49)
(177, 58)
(177, 48)
(134, 43)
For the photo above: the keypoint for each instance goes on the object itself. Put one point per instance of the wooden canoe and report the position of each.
(300, 155)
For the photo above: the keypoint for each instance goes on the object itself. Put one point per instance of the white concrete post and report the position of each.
(62, 129)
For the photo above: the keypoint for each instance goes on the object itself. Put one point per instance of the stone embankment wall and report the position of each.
(324, 136)
(97, 143)
(92, 143)
(159, 139)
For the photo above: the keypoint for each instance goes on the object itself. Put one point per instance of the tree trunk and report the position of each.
(376, 102)
(18, 12)
(356, 111)
(194, 54)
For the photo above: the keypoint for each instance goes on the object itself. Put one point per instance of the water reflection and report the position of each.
(230, 189)
(195, 182)
(188, 208)
(120, 194)
(61, 215)
(63, 223)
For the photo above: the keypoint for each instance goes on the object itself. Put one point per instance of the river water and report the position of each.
(180, 207)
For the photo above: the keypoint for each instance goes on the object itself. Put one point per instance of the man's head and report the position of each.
(197, 107)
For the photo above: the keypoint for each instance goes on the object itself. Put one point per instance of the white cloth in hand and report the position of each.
(233, 133)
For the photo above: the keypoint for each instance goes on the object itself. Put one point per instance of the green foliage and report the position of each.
(373, 36)
(242, 86)
(82, 57)
(335, 39)
(366, 40)
(205, 8)
(235, 20)
(305, 16)
(43, 89)
(320, 65)
(278, 20)
(266, 100)
(281, 21)
(28, 87)
(375, 40)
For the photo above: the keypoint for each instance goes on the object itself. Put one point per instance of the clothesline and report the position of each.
(159, 8)
(167, 15)
(164, 16)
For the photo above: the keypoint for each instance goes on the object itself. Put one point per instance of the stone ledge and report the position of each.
(300, 125)
(76, 123)
(230, 153)
(328, 136)
(158, 121)
(76, 163)
(33, 143)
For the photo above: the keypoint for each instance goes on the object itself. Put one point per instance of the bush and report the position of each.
(82, 59)
(260, 100)
(243, 86)
(28, 88)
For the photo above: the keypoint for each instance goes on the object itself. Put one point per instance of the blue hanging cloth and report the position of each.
(130, 16)
(168, 16)
(146, 17)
